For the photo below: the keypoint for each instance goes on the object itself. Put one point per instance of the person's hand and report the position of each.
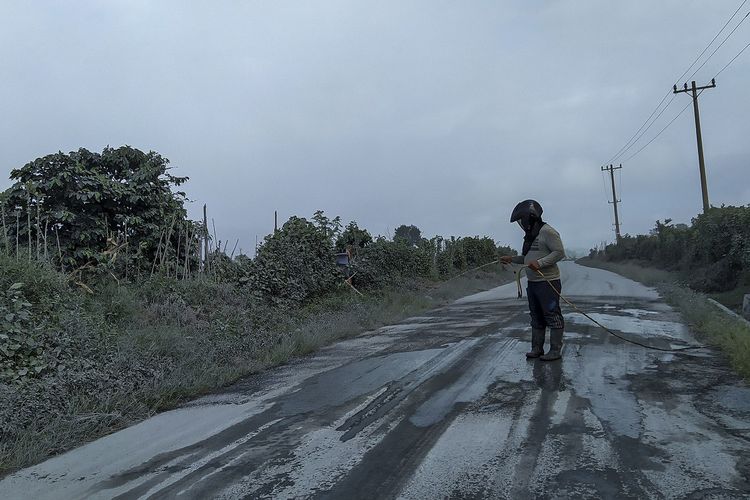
(506, 259)
(533, 265)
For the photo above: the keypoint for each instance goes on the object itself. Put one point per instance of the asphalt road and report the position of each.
(446, 406)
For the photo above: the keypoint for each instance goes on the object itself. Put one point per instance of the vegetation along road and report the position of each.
(446, 405)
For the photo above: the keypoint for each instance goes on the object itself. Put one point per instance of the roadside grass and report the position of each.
(732, 298)
(170, 354)
(713, 325)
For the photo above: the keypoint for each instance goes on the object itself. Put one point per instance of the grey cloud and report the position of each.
(441, 114)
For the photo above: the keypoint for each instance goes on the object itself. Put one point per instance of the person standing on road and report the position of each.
(542, 249)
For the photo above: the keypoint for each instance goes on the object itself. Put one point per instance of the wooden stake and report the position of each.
(215, 238)
(156, 256)
(5, 230)
(38, 227)
(59, 251)
(185, 268)
(46, 227)
(177, 254)
(28, 223)
(18, 228)
(167, 244)
(127, 250)
(206, 262)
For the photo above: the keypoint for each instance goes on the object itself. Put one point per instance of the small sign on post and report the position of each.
(342, 259)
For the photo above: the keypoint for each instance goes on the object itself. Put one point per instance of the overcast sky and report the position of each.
(442, 114)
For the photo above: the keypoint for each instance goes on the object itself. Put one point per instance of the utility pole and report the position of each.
(614, 201)
(701, 163)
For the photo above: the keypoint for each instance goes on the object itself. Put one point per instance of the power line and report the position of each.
(628, 144)
(686, 106)
(712, 41)
(636, 137)
(649, 126)
(732, 60)
(657, 135)
(720, 45)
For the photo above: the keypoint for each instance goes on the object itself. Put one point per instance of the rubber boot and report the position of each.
(537, 343)
(555, 345)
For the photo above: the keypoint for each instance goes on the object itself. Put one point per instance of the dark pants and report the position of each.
(544, 304)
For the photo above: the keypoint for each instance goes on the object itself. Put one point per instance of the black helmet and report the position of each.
(526, 213)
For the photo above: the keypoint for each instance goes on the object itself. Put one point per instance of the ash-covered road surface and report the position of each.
(446, 406)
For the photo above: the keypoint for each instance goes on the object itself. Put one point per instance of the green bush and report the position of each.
(714, 251)
(20, 348)
(353, 237)
(104, 211)
(384, 262)
(296, 263)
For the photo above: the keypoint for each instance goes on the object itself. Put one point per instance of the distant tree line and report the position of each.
(713, 251)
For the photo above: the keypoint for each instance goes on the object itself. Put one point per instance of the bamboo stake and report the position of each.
(206, 262)
(46, 227)
(167, 242)
(185, 271)
(5, 230)
(28, 223)
(177, 254)
(235, 248)
(38, 227)
(190, 244)
(156, 256)
(59, 250)
(127, 250)
(213, 223)
(18, 228)
(187, 250)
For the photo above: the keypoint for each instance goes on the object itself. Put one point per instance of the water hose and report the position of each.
(577, 309)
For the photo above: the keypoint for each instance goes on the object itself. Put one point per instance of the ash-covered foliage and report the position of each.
(108, 211)
(714, 251)
(111, 307)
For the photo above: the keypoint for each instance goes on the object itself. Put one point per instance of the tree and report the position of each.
(408, 234)
(94, 203)
(353, 236)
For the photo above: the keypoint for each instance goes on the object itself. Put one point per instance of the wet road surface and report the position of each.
(446, 406)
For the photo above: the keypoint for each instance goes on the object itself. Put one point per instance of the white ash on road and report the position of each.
(446, 406)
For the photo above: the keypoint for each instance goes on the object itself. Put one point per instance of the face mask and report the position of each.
(525, 223)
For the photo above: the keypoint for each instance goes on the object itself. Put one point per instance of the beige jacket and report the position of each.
(547, 249)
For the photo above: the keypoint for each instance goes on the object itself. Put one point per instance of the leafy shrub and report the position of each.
(97, 206)
(296, 263)
(715, 249)
(353, 237)
(384, 262)
(20, 349)
(410, 235)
